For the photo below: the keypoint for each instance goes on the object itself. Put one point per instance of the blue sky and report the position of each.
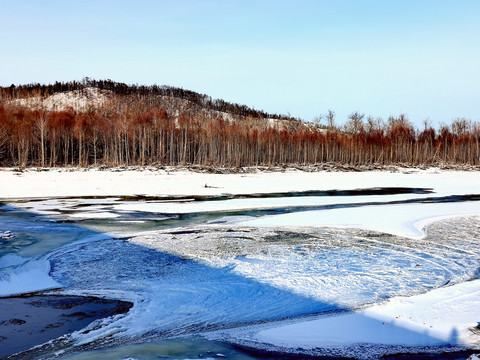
(419, 57)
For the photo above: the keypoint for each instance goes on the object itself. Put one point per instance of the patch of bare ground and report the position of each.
(211, 169)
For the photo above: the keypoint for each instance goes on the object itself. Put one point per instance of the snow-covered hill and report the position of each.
(78, 100)
(90, 97)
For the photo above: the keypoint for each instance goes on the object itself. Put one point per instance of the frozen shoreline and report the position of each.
(441, 317)
(408, 220)
(434, 308)
(65, 182)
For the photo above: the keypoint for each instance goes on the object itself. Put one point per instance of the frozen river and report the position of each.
(197, 269)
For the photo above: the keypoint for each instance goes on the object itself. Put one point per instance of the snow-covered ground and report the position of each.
(434, 318)
(347, 267)
(78, 100)
(80, 182)
(407, 219)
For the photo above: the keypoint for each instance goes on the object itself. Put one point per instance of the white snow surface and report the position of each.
(61, 182)
(78, 100)
(440, 317)
(408, 220)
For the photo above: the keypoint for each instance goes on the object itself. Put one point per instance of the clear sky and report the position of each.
(379, 57)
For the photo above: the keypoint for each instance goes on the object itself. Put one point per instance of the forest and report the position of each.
(133, 128)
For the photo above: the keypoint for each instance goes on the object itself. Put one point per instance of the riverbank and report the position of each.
(67, 182)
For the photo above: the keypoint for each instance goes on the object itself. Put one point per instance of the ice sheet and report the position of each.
(32, 276)
(187, 281)
(407, 220)
(174, 207)
(191, 282)
(438, 318)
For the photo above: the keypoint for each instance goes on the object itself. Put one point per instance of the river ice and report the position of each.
(224, 266)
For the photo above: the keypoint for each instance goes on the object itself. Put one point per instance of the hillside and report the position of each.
(107, 95)
(113, 124)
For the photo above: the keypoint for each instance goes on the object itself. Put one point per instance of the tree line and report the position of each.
(141, 133)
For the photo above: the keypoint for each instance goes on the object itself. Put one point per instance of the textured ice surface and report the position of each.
(36, 234)
(23, 263)
(192, 267)
(346, 268)
(186, 281)
(175, 295)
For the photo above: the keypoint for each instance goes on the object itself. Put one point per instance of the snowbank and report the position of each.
(440, 317)
(407, 220)
(80, 182)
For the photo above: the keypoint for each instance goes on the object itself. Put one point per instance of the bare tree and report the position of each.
(330, 117)
(374, 124)
(355, 123)
(317, 120)
(41, 126)
(461, 126)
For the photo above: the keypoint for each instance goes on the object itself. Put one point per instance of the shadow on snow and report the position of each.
(178, 295)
